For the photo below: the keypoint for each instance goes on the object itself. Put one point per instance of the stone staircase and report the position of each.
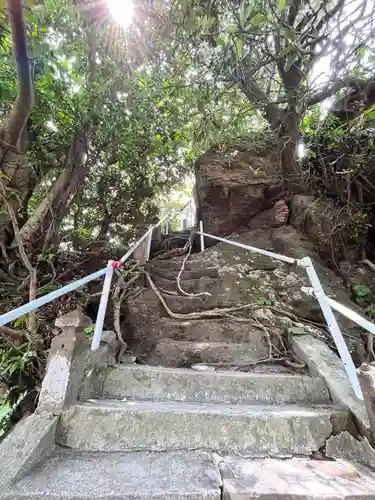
(165, 433)
(162, 430)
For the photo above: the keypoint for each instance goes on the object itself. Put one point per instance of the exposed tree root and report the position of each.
(119, 296)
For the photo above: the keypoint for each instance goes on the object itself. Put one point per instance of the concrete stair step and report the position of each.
(203, 284)
(211, 330)
(176, 384)
(252, 431)
(175, 264)
(295, 479)
(183, 354)
(185, 305)
(121, 476)
(163, 272)
(69, 475)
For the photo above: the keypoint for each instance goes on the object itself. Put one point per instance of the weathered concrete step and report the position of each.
(183, 354)
(295, 479)
(183, 304)
(121, 476)
(175, 264)
(253, 431)
(199, 285)
(211, 272)
(209, 330)
(176, 384)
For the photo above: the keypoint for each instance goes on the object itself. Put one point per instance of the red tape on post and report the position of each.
(117, 264)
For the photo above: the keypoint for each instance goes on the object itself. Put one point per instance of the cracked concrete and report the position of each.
(295, 478)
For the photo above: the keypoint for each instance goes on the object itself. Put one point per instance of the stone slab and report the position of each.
(345, 446)
(325, 363)
(126, 476)
(154, 426)
(295, 479)
(177, 353)
(31, 440)
(178, 384)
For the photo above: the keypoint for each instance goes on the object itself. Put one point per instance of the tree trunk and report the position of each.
(289, 138)
(15, 176)
(42, 227)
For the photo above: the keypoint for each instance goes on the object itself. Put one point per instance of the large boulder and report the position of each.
(235, 185)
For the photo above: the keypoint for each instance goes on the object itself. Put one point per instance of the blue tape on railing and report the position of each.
(35, 304)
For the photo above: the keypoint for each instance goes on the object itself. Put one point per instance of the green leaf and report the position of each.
(89, 330)
(239, 46)
(220, 41)
(281, 4)
(263, 301)
(362, 290)
(258, 19)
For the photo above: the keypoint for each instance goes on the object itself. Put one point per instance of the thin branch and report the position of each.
(32, 319)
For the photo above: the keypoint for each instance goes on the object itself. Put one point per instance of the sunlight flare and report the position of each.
(121, 11)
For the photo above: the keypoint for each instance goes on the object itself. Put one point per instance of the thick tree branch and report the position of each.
(259, 99)
(25, 98)
(332, 89)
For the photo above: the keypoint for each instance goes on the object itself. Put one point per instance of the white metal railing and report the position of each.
(325, 302)
(106, 271)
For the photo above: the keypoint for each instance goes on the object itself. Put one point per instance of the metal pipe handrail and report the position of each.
(49, 297)
(283, 258)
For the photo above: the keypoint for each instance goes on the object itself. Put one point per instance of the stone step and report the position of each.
(295, 479)
(176, 384)
(185, 305)
(175, 264)
(201, 285)
(209, 330)
(252, 431)
(71, 475)
(211, 272)
(183, 354)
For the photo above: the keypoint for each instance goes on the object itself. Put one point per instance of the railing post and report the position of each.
(333, 326)
(102, 308)
(148, 245)
(201, 235)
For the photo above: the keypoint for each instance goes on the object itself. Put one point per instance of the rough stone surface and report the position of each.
(274, 217)
(65, 366)
(295, 479)
(324, 363)
(245, 277)
(344, 445)
(366, 377)
(246, 430)
(316, 217)
(122, 476)
(165, 384)
(231, 187)
(175, 353)
(31, 440)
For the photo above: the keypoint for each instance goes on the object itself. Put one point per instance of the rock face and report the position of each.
(232, 187)
(327, 224)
